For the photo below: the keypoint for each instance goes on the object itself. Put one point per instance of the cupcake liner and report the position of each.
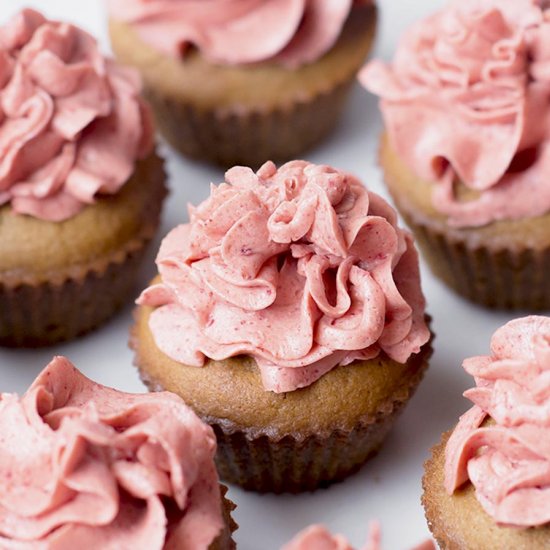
(261, 461)
(503, 279)
(225, 538)
(77, 299)
(249, 136)
(291, 465)
(38, 315)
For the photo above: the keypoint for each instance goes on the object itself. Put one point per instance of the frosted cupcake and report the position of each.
(106, 470)
(81, 186)
(487, 484)
(466, 152)
(288, 313)
(241, 82)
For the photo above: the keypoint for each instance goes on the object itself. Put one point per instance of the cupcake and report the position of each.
(466, 148)
(236, 82)
(85, 465)
(487, 484)
(317, 537)
(81, 187)
(288, 314)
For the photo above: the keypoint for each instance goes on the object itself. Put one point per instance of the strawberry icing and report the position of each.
(72, 123)
(85, 466)
(508, 459)
(301, 268)
(467, 98)
(289, 32)
(317, 537)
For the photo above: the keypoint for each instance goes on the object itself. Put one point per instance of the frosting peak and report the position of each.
(508, 459)
(466, 100)
(290, 32)
(71, 121)
(302, 268)
(318, 537)
(85, 465)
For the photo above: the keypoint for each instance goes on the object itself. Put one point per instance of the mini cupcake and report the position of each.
(466, 153)
(85, 465)
(317, 537)
(288, 314)
(236, 82)
(487, 484)
(81, 187)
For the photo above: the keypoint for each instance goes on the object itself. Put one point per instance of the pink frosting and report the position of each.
(318, 537)
(85, 466)
(468, 96)
(71, 122)
(301, 268)
(290, 32)
(508, 461)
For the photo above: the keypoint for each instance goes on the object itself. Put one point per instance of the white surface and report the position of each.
(389, 486)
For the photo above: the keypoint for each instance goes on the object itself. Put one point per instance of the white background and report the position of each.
(389, 486)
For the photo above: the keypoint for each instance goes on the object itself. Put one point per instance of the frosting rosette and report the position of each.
(86, 466)
(502, 444)
(72, 123)
(466, 105)
(317, 537)
(289, 32)
(300, 268)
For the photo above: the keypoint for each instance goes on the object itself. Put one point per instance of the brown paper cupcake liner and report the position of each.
(225, 539)
(293, 463)
(245, 136)
(503, 279)
(38, 315)
(77, 300)
(290, 465)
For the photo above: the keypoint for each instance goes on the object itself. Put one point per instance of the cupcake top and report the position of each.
(234, 32)
(301, 268)
(72, 123)
(502, 444)
(317, 537)
(86, 466)
(466, 104)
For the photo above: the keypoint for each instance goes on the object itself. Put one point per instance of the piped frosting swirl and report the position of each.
(301, 268)
(72, 124)
(466, 100)
(83, 465)
(289, 32)
(507, 459)
(317, 537)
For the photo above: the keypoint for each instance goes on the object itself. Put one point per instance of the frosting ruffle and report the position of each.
(466, 99)
(85, 466)
(508, 459)
(289, 32)
(72, 123)
(301, 268)
(317, 537)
